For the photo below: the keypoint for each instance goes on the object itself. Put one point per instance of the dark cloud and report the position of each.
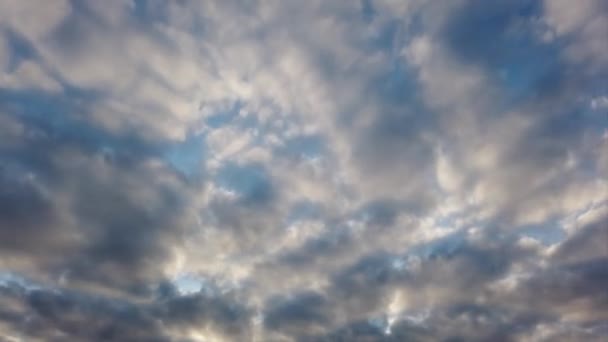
(588, 242)
(251, 182)
(223, 314)
(56, 315)
(60, 194)
(300, 315)
(24, 209)
(59, 314)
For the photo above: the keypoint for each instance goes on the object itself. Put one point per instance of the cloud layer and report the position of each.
(258, 170)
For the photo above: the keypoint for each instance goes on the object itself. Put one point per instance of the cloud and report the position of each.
(53, 314)
(581, 26)
(303, 171)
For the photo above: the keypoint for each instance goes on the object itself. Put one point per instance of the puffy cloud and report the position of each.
(303, 171)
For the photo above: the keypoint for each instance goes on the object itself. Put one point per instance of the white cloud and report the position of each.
(586, 23)
(33, 20)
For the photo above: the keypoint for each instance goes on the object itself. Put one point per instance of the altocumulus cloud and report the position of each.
(260, 170)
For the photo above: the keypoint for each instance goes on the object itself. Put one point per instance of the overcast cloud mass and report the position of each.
(265, 170)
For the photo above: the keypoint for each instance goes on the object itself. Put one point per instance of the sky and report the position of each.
(320, 170)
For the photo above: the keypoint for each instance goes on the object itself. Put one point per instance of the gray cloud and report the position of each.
(303, 171)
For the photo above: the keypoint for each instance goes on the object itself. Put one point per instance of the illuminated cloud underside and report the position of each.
(260, 170)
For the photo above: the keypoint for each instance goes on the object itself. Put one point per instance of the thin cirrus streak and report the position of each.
(260, 170)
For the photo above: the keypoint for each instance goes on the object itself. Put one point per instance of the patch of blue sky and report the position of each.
(187, 156)
(386, 38)
(44, 108)
(503, 39)
(54, 117)
(19, 50)
(149, 11)
(534, 65)
(549, 233)
(141, 9)
(303, 146)
(303, 210)
(397, 83)
(250, 182)
(398, 86)
(189, 283)
(368, 12)
(442, 247)
(447, 221)
(53, 114)
(457, 220)
(224, 117)
(398, 263)
(8, 278)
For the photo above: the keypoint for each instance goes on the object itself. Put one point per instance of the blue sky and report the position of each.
(260, 170)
